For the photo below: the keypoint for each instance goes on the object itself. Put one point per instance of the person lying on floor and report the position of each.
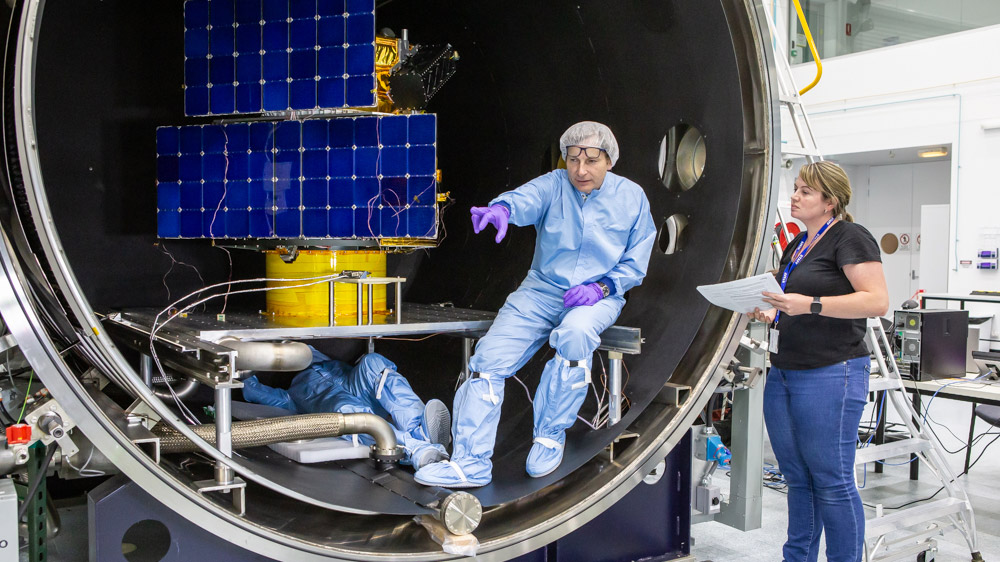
(372, 386)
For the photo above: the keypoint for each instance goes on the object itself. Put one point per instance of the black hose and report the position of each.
(5, 417)
(711, 410)
(39, 478)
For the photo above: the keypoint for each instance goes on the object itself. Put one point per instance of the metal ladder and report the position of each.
(911, 531)
(789, 100)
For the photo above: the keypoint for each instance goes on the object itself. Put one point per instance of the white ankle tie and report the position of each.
(491, 397)
(381, 383)
(548, 443)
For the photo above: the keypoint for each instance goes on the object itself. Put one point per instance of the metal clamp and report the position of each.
(54, 424)
(738, 375)
(237, 486)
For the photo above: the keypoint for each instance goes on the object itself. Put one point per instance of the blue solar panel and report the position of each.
(353, 178)
(250, 56)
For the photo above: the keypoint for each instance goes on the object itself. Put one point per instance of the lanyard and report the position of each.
(799, 254)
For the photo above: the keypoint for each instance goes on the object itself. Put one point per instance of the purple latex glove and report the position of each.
(583, 295)
(497, 215)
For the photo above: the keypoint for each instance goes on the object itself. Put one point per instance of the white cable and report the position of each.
(174, 261)
(225, 183)
(528, 392)
(82, 471)
(185, 411)
(225, 302)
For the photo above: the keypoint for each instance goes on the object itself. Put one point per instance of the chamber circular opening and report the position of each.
(671, 237)
(683, 153)
(146, 541)
(500, 100)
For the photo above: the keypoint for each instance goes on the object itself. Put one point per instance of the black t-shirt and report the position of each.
(810, 341)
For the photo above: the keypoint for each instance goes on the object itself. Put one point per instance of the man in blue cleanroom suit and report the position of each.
(594, 237)
(372, 386)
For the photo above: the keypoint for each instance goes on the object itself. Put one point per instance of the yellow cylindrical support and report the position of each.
(313, 301)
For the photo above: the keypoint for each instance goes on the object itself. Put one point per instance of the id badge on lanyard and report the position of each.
(800, 253)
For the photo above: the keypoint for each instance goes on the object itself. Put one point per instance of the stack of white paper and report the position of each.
(742, 295)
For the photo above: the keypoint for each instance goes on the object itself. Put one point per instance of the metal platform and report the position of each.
(418, 319)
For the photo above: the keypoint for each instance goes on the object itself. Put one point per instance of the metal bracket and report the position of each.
(611, 446)
(238, 487)
(7, 342)
(141, 413)
(209, 363)
(753, 345)
(136, 433)
(94, 378)
(288, 254)
(673, 394)
(738, 375)
(52, 424)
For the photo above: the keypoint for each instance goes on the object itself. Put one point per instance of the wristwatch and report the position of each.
(816, 307)
(604, 289)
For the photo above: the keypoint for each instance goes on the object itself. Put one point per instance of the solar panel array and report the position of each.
(347, 178)
(250, 56)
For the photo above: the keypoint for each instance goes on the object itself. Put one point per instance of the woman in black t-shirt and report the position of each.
(817, 387)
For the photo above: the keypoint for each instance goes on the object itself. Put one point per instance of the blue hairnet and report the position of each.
(584, 133)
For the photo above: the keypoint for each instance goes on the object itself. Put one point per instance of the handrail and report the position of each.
(812, 48)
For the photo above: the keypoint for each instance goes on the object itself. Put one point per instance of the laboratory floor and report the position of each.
(718, 543)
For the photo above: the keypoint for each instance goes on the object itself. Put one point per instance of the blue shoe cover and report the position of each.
(449, 474)
(437, 422)
(545, 456)
(426, 454)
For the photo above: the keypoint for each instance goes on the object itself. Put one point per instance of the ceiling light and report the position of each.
(933, 152)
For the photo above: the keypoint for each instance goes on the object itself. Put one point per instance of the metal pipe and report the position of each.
(255, 433)
(360, 300)
(615, 384)
(371, 304)
(399, 303)
(269, 356)
(224, 433)
(378, 428)
(187, 389)
(466, 355)
(8, 461)
(333, 308)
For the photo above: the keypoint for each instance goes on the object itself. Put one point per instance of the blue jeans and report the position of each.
(812, 418)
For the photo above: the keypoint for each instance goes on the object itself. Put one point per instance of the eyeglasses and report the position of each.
(589, 151)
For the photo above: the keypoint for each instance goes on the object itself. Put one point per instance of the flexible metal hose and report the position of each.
(255, 433)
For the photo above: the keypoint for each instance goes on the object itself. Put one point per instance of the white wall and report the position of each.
(931, 92)
(896, 195)
(858, 207)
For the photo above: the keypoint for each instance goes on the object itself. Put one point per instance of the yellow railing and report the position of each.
(812, 48)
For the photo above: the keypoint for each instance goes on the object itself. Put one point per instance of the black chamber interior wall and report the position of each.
(111, 71)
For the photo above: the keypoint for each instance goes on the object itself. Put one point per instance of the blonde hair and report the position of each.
(831, 180)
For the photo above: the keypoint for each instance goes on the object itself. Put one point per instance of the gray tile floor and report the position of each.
(719, 543)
